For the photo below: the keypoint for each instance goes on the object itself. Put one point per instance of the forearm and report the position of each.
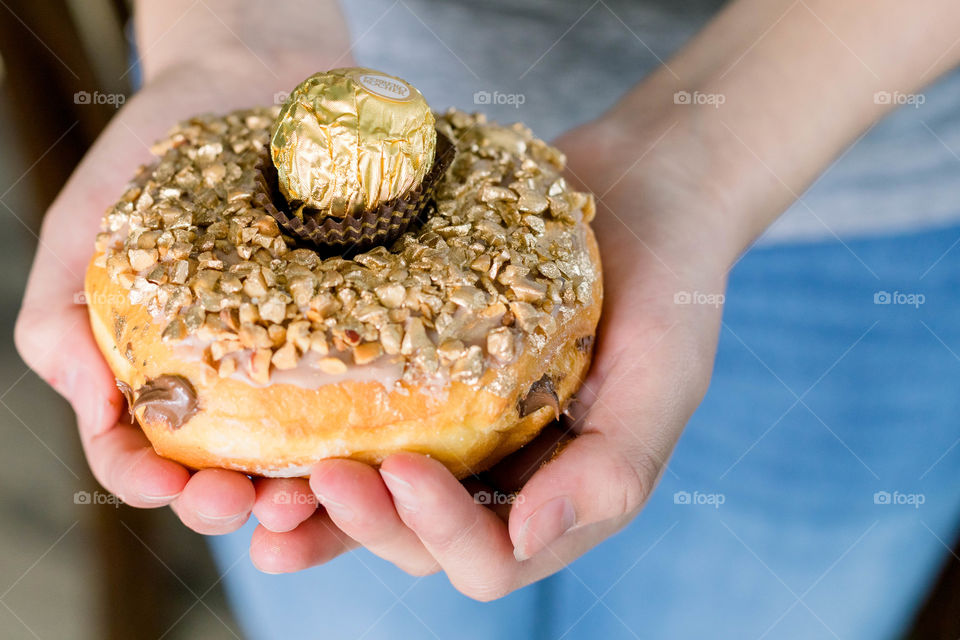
(797, 82)
(284, 40)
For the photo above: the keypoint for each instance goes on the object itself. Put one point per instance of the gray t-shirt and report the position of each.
(553, 64)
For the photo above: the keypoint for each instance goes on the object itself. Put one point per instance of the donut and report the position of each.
(240, 345)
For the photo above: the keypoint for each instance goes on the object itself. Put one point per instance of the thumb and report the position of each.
(607, 473)
(590, 481)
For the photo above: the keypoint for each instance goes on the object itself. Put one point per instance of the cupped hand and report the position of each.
(53, 333)
(665, 254)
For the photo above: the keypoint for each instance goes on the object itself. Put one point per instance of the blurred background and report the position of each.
(77, 563)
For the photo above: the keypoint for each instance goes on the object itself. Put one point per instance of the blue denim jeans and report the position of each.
(814, 494)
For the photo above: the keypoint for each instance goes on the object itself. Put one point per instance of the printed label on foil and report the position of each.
(384, 86)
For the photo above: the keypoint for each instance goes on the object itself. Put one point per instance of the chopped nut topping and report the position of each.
(481, 263)
(333, 366)
(532, 201)
(415, 337)
(192, 241)
(285, 357)
(500, 344)
(469, 297)
(221, 348)
(298, 333)
(493, 193)
(525, 315)
(318, 343)
(391, 295)
(179, 271)
(277, 335)
(469, 367)
(550, 270)
(227, 367)
(528, 290)
(273, 308)
(259, 368)
(142, 259)
(367, 352)
(254, 285)
(449, 350)
(254, 336)
(391, 337)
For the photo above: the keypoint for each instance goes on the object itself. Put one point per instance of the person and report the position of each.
(814, 492)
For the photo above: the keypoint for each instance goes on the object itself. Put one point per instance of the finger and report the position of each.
(468, 540)
(283, 503)
(55, 340)
(316, 541)
(123, 461)
(215, 501)
(514, 471)
(359, 504)
(605, 474)
(52, 332)
(591, 481)
(494, 498)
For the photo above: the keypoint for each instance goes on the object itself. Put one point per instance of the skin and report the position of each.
(197, 57)
(682, 190)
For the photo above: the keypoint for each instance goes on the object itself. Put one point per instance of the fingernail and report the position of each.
(337, 510)
(550, 521)
(158, 499)
(266, 571)
(403, 494)
(222, 520)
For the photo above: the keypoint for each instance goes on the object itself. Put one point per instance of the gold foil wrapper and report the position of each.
(348, 140)
(360, 230)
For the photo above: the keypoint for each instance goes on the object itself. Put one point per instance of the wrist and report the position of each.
(657, 175)
(233, 70)
(284, 41)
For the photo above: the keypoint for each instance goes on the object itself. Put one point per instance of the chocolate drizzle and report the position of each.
(585, 344)
(127, 392)
(542, 393)
(169, 399)
(381, 225)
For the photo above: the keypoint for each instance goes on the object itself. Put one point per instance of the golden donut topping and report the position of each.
(351, 139)
(494, 272)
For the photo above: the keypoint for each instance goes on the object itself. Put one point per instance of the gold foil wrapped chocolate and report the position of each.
(349, 140)
(359, 231)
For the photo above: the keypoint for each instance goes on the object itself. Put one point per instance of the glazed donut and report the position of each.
(237, 346)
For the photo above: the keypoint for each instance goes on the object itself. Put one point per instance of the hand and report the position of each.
(670, 221)
(52, 331)
(659, 238)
